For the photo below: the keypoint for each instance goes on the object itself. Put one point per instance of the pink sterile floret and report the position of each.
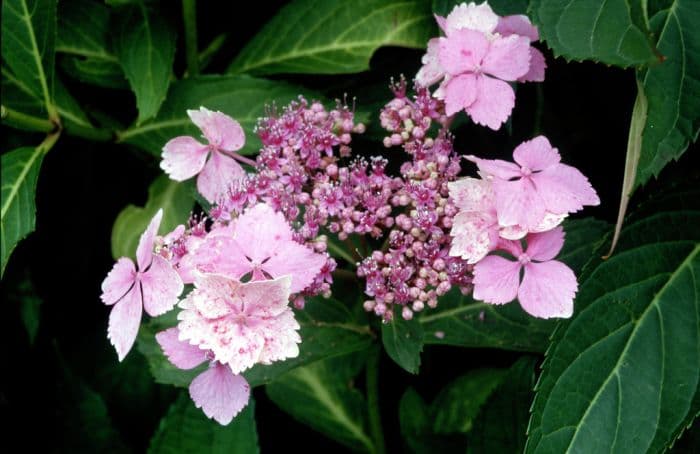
(548, 286)
(185, 157)
(154, 286)
(259, 243)
(536, 187)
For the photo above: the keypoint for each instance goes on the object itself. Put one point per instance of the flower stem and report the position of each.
(375, 420)
(189, 17)
(26, 122)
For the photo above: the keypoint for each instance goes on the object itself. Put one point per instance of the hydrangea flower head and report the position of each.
(548, 286)
(154, 286)
(185, 157)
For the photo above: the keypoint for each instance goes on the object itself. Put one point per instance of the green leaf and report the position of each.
(403, 341)
(145, 46)
(322, 396)
(615, 32)
(185, 429)
(174, 198)
(672, 88)
(502, 422)
(30, 309)
(102, 73)
(28, 39)
(243, 98)
(500, 7)
(328, 329)
(634, 336)
(20, 170)
(583, 237)
(334, 37)
(457, 404)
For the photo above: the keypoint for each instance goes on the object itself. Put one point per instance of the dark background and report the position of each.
(583, 108)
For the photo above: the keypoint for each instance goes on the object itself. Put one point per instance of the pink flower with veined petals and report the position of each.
(477, 68)
(259, 242)
(154, 286)
(521, 25)
(537, 184)
(185, 157)
(548, 286)
(469, 16)
(235, 326)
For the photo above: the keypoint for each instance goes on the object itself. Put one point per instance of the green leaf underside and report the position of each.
(615, 32)
(28, 39)
(241, 97)
(403, 341)
(321, 396)
(20, 170)
(186, 430)
(334, 37)
(630, 358)
(174, 198)
(672, 89)
(146, 52)
(327, 330)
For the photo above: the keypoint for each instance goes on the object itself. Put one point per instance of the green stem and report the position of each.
(98, 135)
(189, 16)
(375, 420)
(208, 53)
(26, 122)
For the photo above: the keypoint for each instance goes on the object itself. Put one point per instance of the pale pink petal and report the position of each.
(183, 158)
(186, 265)
(536, 154)
(265, 298)
(260, 231)
(513, 232)
(494, 102)
(431, 71)
(281, 338)
(496, 280)
(503, 170)
(220, 394)
(124, 322)
(221, 255)
(181, 354)
(439, 92)
(217, 299)
(442, 22)
(462, 51)
(471, 194)
(161, 287)
(564, 189)
(473, 236)
(537, 66)
(144, 251)
(471, 16)
(118, 281)
(514, 248)
(460, 93)
(508, 58)
(220, 130)
(549, 221)
(297, 260)
(518, 203)
(219, 173)
(548, 290)
(545, 246)
(518, 24)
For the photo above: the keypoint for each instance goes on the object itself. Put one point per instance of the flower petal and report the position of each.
(297, 260)
(219, 393)
(219, 173)
(564, 189)
(161, 287)
(260, 231)
(460, 93)
(431, 71)
(124, 322)
(518, 203)
(265, 298)
(471, 194)
(518, 24)
(181, 354)
(281, 338)
(473, 235)
(537, 67)
(494, 102)
(536, 154)
(548, 290)
(545, 246)
(496, 280)
(503, 170)
(219, 129)
(471, 16)
(462, 51)
(508, 58)
(118, 281)
(144, 251)
(442, 22)
(183, 158)
(221, 255)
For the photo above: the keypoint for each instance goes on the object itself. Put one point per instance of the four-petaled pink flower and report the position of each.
(260, 244)
(548, 286)
(185, 157)
(538, 186)
(235, 326)
(154, 286)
